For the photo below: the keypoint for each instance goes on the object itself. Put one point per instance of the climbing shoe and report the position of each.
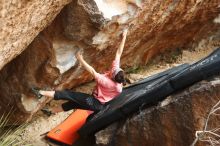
(47, 111)
(36, 90)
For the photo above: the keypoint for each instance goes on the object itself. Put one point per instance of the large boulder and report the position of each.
(49, 60)
(21, 22)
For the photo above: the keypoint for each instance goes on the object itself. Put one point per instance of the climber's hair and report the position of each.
(120, 77)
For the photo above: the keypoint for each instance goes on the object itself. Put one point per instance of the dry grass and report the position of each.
(10, 136)
(209, 136)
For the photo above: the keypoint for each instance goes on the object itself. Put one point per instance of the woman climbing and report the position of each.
(108, 86)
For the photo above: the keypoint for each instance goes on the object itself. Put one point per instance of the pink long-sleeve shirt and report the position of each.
(106, 89)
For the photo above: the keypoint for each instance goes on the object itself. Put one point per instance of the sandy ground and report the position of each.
(35, 131)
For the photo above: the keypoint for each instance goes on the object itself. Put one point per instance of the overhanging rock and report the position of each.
(21, 22)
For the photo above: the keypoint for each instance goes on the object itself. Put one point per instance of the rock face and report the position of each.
(96, 27)
(21, 21)
(171, 123)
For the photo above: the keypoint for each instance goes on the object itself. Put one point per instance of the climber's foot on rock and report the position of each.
(36, 92)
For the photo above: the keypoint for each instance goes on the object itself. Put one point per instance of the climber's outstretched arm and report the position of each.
(121, 46)
(89, 68)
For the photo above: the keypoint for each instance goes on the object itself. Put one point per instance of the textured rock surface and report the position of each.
(172, 122)
(21, 21)
(49, 60)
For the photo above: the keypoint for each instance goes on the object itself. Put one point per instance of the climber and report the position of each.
(108, 86)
